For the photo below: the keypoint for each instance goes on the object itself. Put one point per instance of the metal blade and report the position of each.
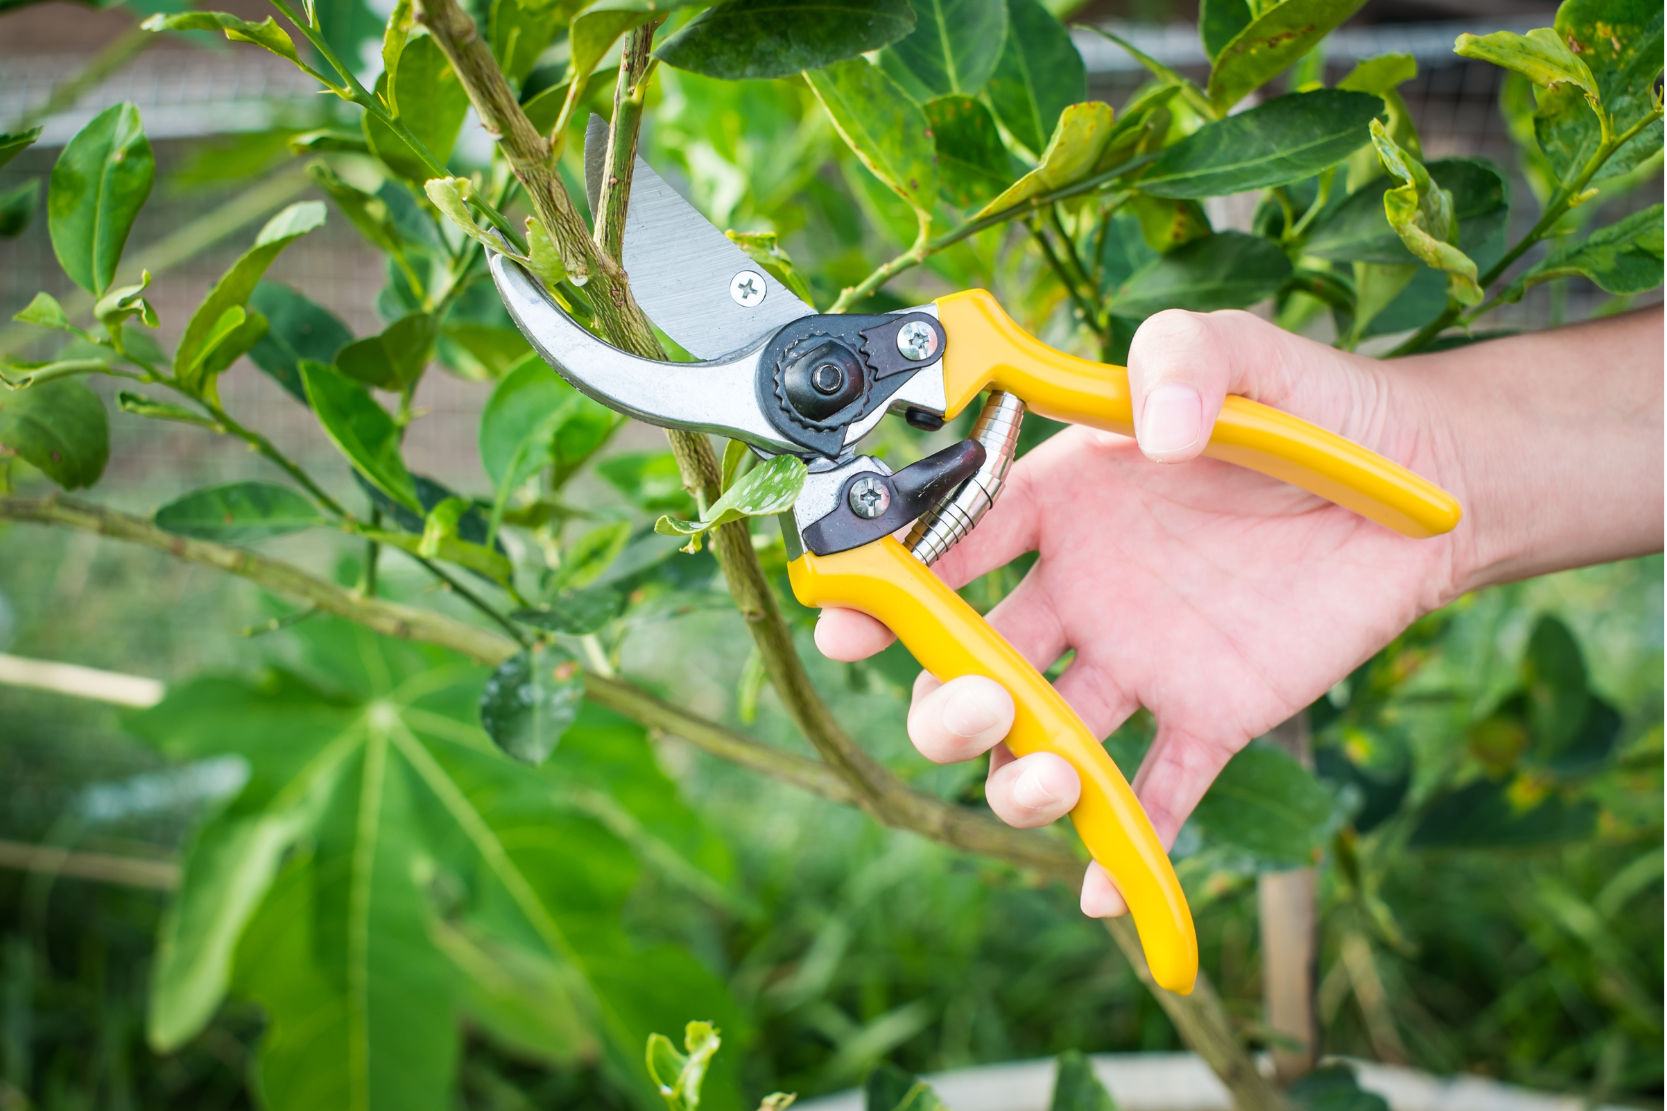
(717, 397)
(700, 288)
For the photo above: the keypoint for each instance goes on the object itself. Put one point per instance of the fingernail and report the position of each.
(967, 714)
(1172, 420)
(1030, 792)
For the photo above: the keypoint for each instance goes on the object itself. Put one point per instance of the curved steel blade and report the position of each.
(717, 397)
(682, 268)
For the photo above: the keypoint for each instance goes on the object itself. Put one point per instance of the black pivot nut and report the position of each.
(823, 381)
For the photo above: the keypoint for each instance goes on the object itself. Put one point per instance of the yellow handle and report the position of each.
(986, 349)
(950, 639)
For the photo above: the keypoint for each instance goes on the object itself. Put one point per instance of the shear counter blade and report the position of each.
(717, 397)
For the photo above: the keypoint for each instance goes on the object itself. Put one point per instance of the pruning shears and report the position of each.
(784, 379)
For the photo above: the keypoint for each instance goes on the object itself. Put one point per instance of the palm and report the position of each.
(1220, 600)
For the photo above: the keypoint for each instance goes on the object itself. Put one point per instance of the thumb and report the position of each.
(1182, 365)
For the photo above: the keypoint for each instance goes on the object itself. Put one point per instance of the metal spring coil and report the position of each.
(997, 428)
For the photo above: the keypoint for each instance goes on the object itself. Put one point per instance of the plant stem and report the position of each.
(1555, 210)
(1090, 318)
(615, 194)
(475, 600)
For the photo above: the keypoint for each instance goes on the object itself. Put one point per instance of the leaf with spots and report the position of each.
(884, 128)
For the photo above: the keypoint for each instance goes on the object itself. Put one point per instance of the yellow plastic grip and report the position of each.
(987, 350)
(950, 639)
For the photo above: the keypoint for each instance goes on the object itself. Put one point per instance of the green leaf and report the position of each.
(742, 39)
(1076, 1088)
(1541, 56)
(886, 130)
(1283, 33)
(592, 554)
(953, 48)
(394, 358)
(521, 30)
(234, 289)
(595, 30)
(14, 143)
(361, 429)
(1264, 803)
(126, 301)
(1621, 259)
(426, 96)
(1620, 42)
(650, 479)
(574, 612)
(1358, 229)
(518, 424)
(761, 492)
(1492, 815)
(367, 212)
(99, 183)
(1037, 76)
(764, 248)
(296, 328)
(1380, 75)
(17, 208)
(266, 33)
(451, 195)
(889, 1088)
(530, 701)
(1289, 138)
(58, 427)
(1073, 153)
(392, 814)
(680, 1075)
(238, 513)
(972, 163)
(1421, 212)
(1334, 1088)
(1226, 270)
(1219, 23)
(480, 352)
(45, 311)
(1166, 223)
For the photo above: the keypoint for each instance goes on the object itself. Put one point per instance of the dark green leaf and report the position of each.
(393, 359)
(480, 352)
(59, 427)
(1122, 250)
(296, 328)
(889, 1088)
(1490, 815)
(1620, 42)
(1037, 76)
(1334, 1088)
(426, 96)
(1287, 139)
(361, 429)
(885, 129)
(1076, 1088)
(1219, 23)
(741, 39)
(192, 359)
(17, 207)
(99, 183)
(238, 513)
(15, 143)
(1226, 270)
(1554, 676)
(1623, 258)
(972, 163)
(952, 50)
(574, 612)
(530, 700)
(1283, 33)
(1358, 231)
(1265, 804)
(650, 479)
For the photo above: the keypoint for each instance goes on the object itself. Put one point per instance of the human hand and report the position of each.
(1221, 600)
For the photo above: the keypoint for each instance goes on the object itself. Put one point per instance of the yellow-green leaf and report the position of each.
(1421, 212)
(1073, 152)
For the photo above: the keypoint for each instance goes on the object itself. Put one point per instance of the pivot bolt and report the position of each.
(916, 341)
(869, 498)
(748, 289)
(827, 378)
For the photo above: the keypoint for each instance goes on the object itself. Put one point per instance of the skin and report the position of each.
(1224, 601)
